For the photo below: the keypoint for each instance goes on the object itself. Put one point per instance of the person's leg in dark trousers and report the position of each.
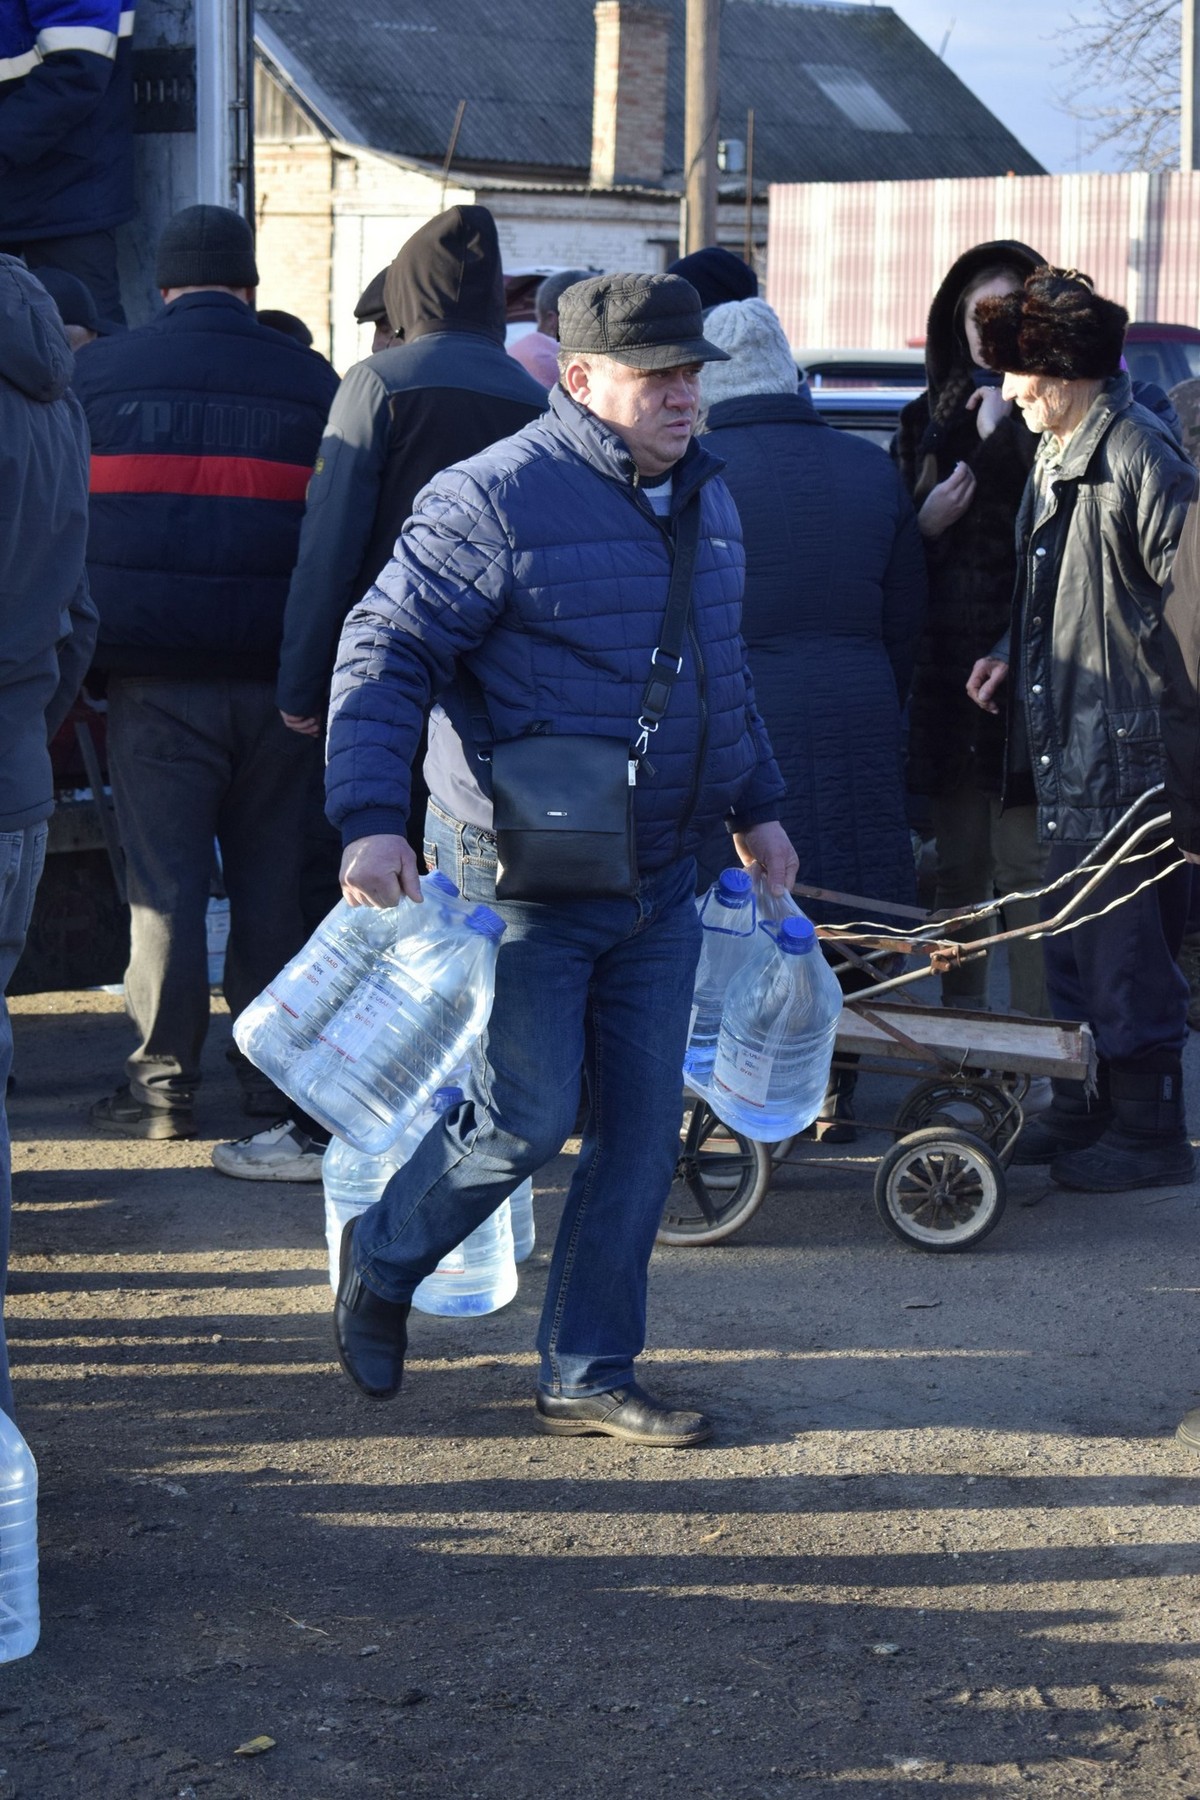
(170, 763)
(22, 854)
(603, 984)
(962, 825)
(263, 825)
(1120, 972)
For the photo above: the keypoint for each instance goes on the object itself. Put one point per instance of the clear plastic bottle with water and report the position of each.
(354, 1180)
(776, 1043)
(731, 942)
(520, 1203)
(279, 1028)
(406, 1025)
(20, 1621)
(477, 1276)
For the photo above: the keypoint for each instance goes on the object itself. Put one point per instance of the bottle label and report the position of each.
(353, 1030)
(304, 980)
(742, 1072)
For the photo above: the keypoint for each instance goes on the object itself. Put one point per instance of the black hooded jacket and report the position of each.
(446, 392)
(973, 564)
(47, 620)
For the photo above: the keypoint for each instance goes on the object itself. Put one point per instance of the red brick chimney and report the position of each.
(629, 93)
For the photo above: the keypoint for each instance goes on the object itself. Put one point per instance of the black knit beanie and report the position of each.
(717, 276)
(206, 246)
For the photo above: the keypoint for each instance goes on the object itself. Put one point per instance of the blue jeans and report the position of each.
(598, 987)
(22, 854)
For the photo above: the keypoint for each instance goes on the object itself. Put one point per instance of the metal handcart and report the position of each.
(940, 1185)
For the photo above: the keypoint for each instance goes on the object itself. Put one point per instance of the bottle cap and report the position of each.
(488, 923)
(441, 884)
(445, 1098)
(733, 887)
(796, 937)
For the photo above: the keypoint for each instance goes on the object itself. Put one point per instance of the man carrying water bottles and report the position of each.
(542, 566)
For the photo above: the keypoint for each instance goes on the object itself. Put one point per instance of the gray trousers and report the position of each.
(982, 852)
(191, 761)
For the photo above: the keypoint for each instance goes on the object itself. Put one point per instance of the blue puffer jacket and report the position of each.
(543, 566)
(66, 117)
(205, 427)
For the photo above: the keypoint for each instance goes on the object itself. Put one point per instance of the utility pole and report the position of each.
(700, 124)
(1189, 89)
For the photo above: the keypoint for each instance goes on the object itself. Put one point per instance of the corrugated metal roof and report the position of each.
(393, 72)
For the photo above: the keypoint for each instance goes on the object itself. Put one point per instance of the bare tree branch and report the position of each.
(1128, 51)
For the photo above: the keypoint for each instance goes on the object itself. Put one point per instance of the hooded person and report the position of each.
(443, 393)
(47, 622)
(965, 456)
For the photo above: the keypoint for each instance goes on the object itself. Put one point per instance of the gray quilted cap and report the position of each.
(647, 321)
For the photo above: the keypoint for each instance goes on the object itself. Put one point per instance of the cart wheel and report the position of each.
(720, 1180)
(929, 1101)
(940, 1189)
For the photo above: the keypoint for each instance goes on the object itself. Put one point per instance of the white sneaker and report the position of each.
(280, 1153)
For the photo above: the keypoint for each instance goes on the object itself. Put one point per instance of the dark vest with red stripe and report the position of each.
(205, 427)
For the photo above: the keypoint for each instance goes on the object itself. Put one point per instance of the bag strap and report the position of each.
(665, 663)
(667, 660)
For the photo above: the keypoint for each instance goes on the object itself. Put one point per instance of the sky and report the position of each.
(1009, 52)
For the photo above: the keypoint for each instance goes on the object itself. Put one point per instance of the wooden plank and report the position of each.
(973, 1040)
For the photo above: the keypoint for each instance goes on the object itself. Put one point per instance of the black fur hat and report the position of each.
(1057, 324)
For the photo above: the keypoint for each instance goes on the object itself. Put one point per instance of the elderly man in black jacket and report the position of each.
(1096, 536)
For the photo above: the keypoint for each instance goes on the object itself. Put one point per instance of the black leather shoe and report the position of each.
(624, 1412)
(371, 1334)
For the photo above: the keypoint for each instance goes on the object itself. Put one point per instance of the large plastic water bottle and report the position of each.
(403, 1029)
(729, 916)
(20, 1622)
(354, 1180)
(776, 1043)
(283, 1024)
(478, 1276)
(520, 1203)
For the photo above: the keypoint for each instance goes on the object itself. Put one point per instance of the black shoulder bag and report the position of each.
(563, 805)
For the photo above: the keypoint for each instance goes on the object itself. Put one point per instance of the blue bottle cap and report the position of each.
(486, 922)
(733, 887)
(442, 884)
(796, 937)
(445, 1098)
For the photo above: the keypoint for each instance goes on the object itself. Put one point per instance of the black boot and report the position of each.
(1146, 1143)
(371, 1333)
(1073, 1120)
(834, 1124)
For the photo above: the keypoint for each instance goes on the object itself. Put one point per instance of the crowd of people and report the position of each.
(296, 599)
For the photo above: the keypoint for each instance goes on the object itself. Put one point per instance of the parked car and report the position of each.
(1163, 354)
(863, 391)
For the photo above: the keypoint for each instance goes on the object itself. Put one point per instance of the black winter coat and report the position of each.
(972, 570)
(205, 426)
(835, 596)
(972, 566)
(1089, 665)
(442, 395)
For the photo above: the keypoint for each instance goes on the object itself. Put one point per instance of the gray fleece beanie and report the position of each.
(760, 361)
(206, 246)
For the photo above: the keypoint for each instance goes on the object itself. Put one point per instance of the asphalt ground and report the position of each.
(943, 1541)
